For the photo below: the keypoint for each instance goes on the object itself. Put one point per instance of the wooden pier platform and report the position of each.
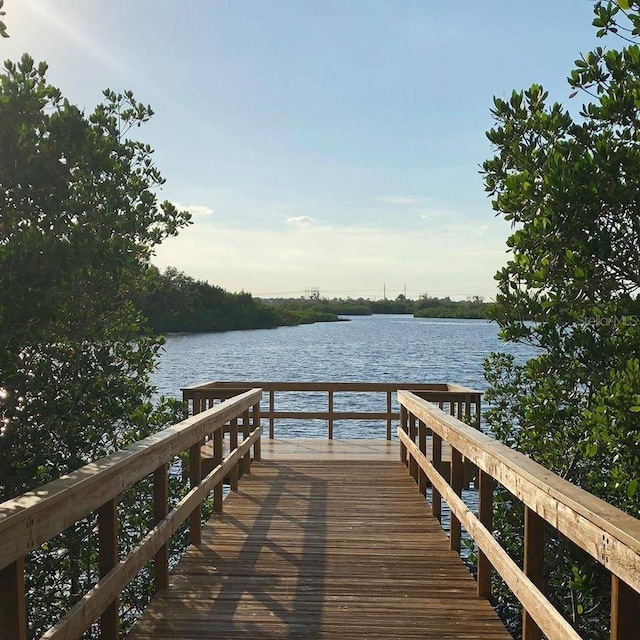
(339, 547)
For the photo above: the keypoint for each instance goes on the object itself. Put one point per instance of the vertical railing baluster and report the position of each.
(246, 430)
(257, 445)
(485, 515)
(413, 432)
(233, 445)
(330, 421)
(160, 510)
(13, 616)
(388, 415)
(107, 560)
(456, 481)
(195, 477)
(217, 460)
(272, 403)
(404, 418)
(625, 604)
(422, 443)
(436, 457)
(533, 566)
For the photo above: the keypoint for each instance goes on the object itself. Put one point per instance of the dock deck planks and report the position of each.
(321, 549)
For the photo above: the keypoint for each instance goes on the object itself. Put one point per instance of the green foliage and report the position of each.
(569, 188)
(174, 302)
(3, 26)
(79, 221)
(431, 307)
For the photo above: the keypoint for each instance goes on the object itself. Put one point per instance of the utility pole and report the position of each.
(384, 291)
(405, 290)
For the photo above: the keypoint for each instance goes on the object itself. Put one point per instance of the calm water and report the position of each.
(364, 349)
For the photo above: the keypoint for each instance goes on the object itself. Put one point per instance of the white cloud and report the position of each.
(300, 221)
(196, 210)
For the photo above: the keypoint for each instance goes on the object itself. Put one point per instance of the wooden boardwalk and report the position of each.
(321, 549)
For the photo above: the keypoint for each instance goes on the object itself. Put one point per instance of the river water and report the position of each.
(376, 348)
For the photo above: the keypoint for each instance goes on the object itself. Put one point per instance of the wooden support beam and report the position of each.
(625, 605)
(195, 476)
(422, 443)
(13, 617)
(257, 446)
(272, 403)
(485, 515)
(413, 432)
(404, 418)
(456, 480)
(160, 510)
(436, 498)
(533, 566)
(217, 460)
(330, 419)
(233, 444)
(107, 560)
(389, 415)
(246, 430)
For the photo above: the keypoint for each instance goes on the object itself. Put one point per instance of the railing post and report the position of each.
(246, 430)
(388, 415)
(413, 432)
(217, 460)
(422, 443)
(533, 566)
(257, 445)
(233, 445)
(456, 480)
(107, 560)
(272, 402)
(625, 604)
(485, 515)
(160, 510)
(436, 498)
(330, 420)
(13, 616)
(404, 418)
(195, 477)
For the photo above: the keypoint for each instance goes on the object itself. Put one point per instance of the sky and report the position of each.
(319, 144)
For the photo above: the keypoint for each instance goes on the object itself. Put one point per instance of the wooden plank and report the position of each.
(608, 534)
(299, 553)
(485, 517)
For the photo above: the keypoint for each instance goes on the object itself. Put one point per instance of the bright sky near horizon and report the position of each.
(318, 143)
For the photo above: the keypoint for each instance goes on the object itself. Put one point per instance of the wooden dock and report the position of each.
(321, 538)
(340, 547)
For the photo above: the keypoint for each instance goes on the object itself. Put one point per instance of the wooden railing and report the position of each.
(460, 401)
(606, 533)
(34, 518)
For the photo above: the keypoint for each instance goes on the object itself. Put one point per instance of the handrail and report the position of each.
(36, 517)
(609, 535)
(461, 401)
